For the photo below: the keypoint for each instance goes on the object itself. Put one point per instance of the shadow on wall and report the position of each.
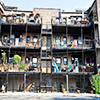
(73, 98)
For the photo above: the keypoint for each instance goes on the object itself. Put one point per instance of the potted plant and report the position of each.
(22, 67)
(3, 57)
(5, 68)
(31, 14)
(16, 59)
(78, 91)
(38, 68)
(23, 14)
(0, 67)
(91, 92)
(92, 64)
(87, 67)
(83, 68)
(10, 67)
(16, 68)
(37, 14)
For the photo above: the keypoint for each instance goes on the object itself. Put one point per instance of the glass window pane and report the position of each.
(27, 60)
(10, 59)
(34, 60)
(28, 39)
(35, 39)
(65, 40)
(65, 61)
(58, 60)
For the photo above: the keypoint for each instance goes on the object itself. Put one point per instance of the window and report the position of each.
(18, 16)
(28, 39)
(35, 39)
(72, 60)
(87, 40)
(10, 59)
(71, 39)
(64, 20)
(34, 62)
(12, 39)
(58, 61)
(58, 39)
(5, 38)
(76, 62)
(20, 39)
(65, 40)
(27, 60)
(80, 40)
(88, 59)
(57, 20)
(65, 61)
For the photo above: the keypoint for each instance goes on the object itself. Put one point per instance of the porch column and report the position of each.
(24, 81)
(84, 82)
(7, 81)
(67, 83)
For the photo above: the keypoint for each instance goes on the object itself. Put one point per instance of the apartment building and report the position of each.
(59, 49)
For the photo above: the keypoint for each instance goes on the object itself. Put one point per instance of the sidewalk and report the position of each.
(54, 94)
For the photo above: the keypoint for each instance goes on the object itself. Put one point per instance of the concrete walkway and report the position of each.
(50, 94)
(47, 96)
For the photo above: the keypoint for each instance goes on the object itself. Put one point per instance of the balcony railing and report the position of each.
(20, 19)
(46, 31)
(20, 67)
(22, 44)
(57, 21)
(75, 44)
(70, 21)
(75, 69)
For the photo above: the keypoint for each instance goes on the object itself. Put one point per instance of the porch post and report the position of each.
(84, 82)
(24, 81)
(7, 81)
(67, 83)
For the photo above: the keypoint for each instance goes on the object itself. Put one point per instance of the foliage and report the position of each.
(16, 59)
(23, 66)
(10, 66)
(95, 83)
(3, 57)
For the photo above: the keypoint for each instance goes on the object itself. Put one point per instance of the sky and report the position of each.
(66, 5)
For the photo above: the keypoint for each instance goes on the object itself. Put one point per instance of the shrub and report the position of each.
(95, 83)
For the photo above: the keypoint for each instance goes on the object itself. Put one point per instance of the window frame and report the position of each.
(27, 38)
(35, 64)
(66, 60)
